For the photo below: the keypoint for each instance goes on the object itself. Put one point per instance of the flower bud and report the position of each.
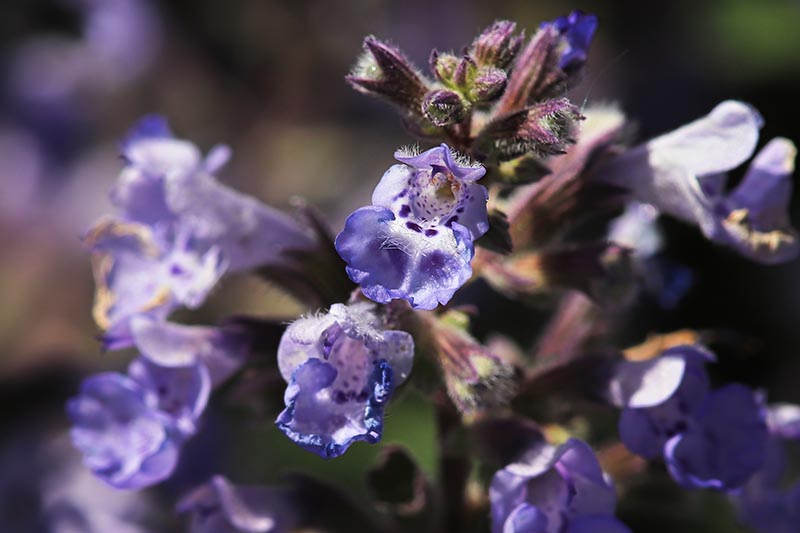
(544, 129)
(384, 72)
(443, 107)
(488, 84)
(497, 45)
(444, 66)
(475, 378)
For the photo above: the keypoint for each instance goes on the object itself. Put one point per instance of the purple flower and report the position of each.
(554, 489)
(179, 231)
(766, 503)
(683, 173)
(576, 30)
(709, 439)
(646, 424)
(341, 368)
(723, 445)
(125, 439)
(219, 506)
(415, 241)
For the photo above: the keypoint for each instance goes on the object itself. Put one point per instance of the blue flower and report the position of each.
(766, 503)
(576, 30)
(708, 439)
(125, 439)
(645, 427)
(554, 489)
(131, 427)
(415, 242)
(725, 443)
(178, 231)
(341, 368)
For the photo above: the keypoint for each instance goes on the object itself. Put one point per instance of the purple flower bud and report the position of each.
(576, 30)
(416, 241)
(475, 377)
(487, 85)
(125, 439)
(465, 72)
(544, 129)
(219, 506)
(497, 46)
(444, 67)
(683, 174)
(341, 368)
(443, 107)
(553, 489)
(384, 72)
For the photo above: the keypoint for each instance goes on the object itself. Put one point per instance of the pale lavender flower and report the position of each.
(554, 489)
(342, 368)
(125, 439)
(221, 351)
(219, 506)
(415, 242)
(682, 174)
(179, 231)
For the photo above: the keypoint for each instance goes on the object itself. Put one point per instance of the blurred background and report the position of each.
(266, 77)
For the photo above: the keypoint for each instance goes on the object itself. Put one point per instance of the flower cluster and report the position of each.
(499, 114)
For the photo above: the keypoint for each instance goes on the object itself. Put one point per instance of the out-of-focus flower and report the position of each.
(723, 445)
(416, 241)
(767, 503)
(576, 31)
(709, 439)
(342, 368)
(222, 350)
(131, 427)
(219, 506)
(179, 230)
(125, 439)
(646, 427)
(682, 174)
(666, 280)
(553, 489)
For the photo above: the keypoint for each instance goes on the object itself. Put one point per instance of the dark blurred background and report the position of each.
(266, 77)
